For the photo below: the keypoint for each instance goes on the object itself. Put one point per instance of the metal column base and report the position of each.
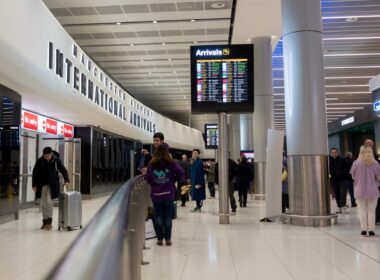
(309, 196)
(311, 221)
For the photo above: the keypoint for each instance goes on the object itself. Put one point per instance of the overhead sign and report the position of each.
(211, 135)
(376, 105)
(35, 122)
(222, 79)
(348, 121)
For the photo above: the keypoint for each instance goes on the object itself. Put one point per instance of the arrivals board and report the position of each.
(222, 79)
(211, 136)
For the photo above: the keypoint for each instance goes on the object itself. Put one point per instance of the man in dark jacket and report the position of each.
(231, 175)
(337, 167)
(185, 164)
(46, 183)
(348, 183)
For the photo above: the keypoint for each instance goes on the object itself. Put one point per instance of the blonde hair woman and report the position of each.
(366, 172)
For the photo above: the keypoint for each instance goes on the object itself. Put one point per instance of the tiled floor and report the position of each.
(204, 250)
(28, 253)
(247, 249)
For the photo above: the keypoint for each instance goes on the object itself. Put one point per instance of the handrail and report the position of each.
(104, 245)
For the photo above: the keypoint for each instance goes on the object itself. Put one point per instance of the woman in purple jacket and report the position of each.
(162, 174)
(366, 173)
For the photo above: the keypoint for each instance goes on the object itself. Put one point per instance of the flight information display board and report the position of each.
(222, 79)
(211, 136)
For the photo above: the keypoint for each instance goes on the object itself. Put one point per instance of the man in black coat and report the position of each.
(231, 175)
(46, 183)
(337, 168)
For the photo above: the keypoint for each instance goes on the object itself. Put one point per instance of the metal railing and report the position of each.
(111, 245)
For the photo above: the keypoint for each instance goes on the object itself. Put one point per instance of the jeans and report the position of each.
(46, 203)
(163, 219)
(367, 210)
(231, 191)
(347, 184)
(337, 191)
(211, 187)
(199, 203)
(243, 192)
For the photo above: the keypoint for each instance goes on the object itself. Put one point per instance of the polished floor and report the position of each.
(204, 250)
(28, 253)
(247, 249)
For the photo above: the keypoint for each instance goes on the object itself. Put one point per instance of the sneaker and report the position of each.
(371, 233)
(233, 210)
(196, 210)
(44, 221)
(364, 233)
(49, 224)
(159, 242)
(339, 211)
(354, 205)
(168, 243)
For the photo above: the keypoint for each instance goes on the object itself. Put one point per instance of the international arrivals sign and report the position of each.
(34, 122)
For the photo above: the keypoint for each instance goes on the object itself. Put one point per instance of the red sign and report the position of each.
(51, 126)
(68, 131)
(30, 121)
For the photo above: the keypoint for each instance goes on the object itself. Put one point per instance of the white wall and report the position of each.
(26, 28)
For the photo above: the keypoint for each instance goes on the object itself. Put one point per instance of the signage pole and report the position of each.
(223, 170)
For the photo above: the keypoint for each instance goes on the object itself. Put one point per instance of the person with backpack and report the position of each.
(45, 182)
(162, 173)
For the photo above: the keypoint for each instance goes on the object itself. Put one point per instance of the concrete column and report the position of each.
(234, 136)
(377, 136)
(246, 132)
(305, 111)
(263, 115)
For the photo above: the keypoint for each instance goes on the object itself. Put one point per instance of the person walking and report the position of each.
(162, 173)
(347, 182)
(243, 178)
(366, 173)
(184, 195)
(210, 177)
(337, 166)
(285, 186)
(45, 182)
(198, 184)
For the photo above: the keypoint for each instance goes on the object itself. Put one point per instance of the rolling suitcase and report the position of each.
(70, 210)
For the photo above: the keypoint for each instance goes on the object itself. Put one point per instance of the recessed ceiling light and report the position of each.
(155, 21)
(118, 23)
(192, 20)
(218, 5)
(174, 72)
(273, 37)
(169, 59)
(164, 43)
(142, 60)
(131, 45)
(351, 19)
(195, 42)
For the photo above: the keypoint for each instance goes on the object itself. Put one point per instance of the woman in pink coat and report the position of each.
(366, 173)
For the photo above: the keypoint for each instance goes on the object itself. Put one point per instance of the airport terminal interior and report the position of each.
(190, 139)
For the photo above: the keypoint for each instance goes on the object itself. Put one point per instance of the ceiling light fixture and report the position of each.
(195, 42)
(155, 21)
(351, 19)
(163, 43)
(118, 23)
(131, 45)
(192, 20)
(169, 59)
(218, 5)
(142, 60)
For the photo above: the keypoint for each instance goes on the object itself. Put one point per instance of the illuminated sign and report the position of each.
(211, 135)
(34, 122)
(347, 121)
(376, 105)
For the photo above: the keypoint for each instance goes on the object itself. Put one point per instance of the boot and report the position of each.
(44, 222)
(49, 224)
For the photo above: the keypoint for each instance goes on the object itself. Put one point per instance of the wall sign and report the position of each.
(348, 121)
(35, 122)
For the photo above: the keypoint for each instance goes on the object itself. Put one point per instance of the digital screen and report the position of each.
(10, 137)
(248, 154)
(211, 136)
(222, 79)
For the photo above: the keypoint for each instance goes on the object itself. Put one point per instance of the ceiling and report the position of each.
(144, 45)
(351, 40)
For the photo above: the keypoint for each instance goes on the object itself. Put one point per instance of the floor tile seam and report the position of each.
(350, 246)
(232, 255)
(198, 219)
(278, 257)
(322, 256)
